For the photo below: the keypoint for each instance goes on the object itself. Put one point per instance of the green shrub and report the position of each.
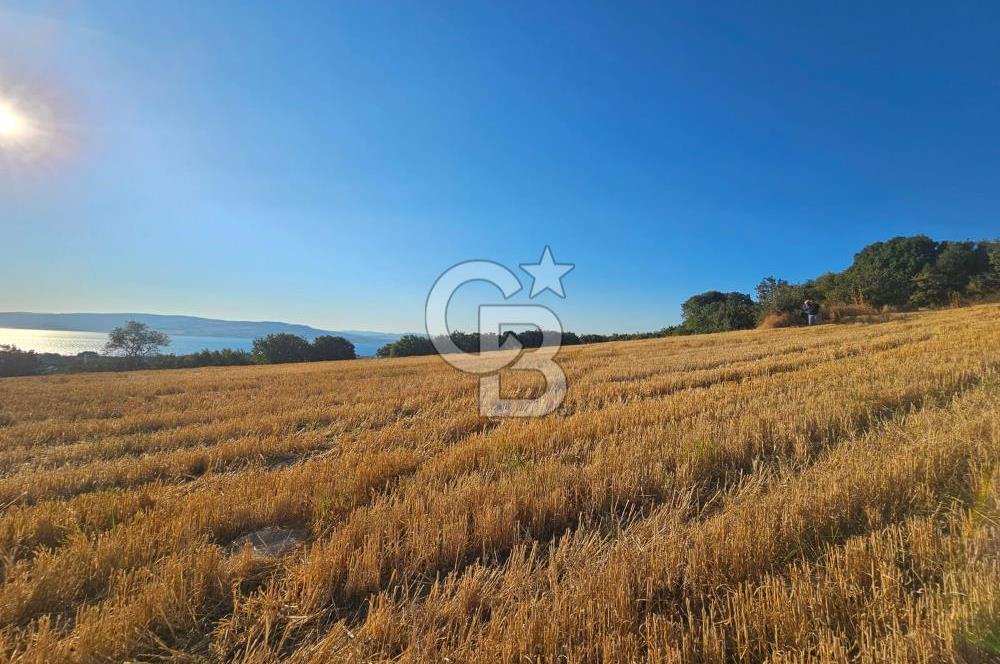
(17, 362)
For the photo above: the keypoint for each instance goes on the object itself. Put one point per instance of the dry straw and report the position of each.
(802, 495)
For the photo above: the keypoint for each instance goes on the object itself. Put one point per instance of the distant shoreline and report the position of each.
(71, 342)
(207, 329)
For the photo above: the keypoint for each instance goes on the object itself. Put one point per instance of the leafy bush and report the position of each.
(407, 345)
(17, 362)
(327, 347)
(535, 338)
(779, 296)
(281, 348)
(713, 311)
(205, 358)
(831, 287)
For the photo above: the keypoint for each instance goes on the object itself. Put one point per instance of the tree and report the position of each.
(713, 311)
(957, 262)
(768, 288)
(779, 296)
(135, 341)
(569, 339)
(930, 288)
(17, 362)
(831, 287)
(992, 250)
(327, 347)
(408, 344)
(959, 269)
(987, 278)
(467, 342)
(281, 348)
(883, 272)
(216, 358)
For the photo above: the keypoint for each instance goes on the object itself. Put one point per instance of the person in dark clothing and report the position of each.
(810, 310)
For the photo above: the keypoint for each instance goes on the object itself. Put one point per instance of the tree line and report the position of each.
(471, 342)
(467, 342)
(136, 346)
(900, 273)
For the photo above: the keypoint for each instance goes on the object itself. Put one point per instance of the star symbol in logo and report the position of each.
(546, 274)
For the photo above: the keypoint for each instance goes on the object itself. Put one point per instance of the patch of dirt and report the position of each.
(268, 542)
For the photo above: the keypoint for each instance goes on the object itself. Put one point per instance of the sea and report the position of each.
(67, 342)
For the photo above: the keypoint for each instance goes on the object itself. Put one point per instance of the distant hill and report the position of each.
(180, 326)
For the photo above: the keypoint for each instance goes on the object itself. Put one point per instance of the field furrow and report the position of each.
(824, 494)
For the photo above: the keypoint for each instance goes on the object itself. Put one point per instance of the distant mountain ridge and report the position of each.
(192, 326)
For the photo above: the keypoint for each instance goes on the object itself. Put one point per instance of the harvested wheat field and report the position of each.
(826, 494)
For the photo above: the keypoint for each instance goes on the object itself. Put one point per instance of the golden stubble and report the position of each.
(792, 495)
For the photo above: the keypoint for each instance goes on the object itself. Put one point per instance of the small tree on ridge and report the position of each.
(135, 341)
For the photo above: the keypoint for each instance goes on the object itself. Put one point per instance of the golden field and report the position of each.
(827, 494)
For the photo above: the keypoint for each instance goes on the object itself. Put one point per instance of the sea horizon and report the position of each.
(73, 342)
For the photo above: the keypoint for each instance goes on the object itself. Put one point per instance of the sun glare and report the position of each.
(13, 125)
(28, 135)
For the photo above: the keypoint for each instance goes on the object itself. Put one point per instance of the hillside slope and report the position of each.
(823, 494)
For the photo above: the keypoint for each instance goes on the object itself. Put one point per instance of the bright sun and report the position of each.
(13, 125)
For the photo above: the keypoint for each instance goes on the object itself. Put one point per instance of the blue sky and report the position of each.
(323, 162)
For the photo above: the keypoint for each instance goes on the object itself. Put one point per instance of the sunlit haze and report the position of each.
(13, 126)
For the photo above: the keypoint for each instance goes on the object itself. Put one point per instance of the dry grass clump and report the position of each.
(830, 313)
(826, 494)
(843, 313)
(776, 319)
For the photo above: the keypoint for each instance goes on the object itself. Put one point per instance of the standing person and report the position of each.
(813, 312)
(810, 309)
